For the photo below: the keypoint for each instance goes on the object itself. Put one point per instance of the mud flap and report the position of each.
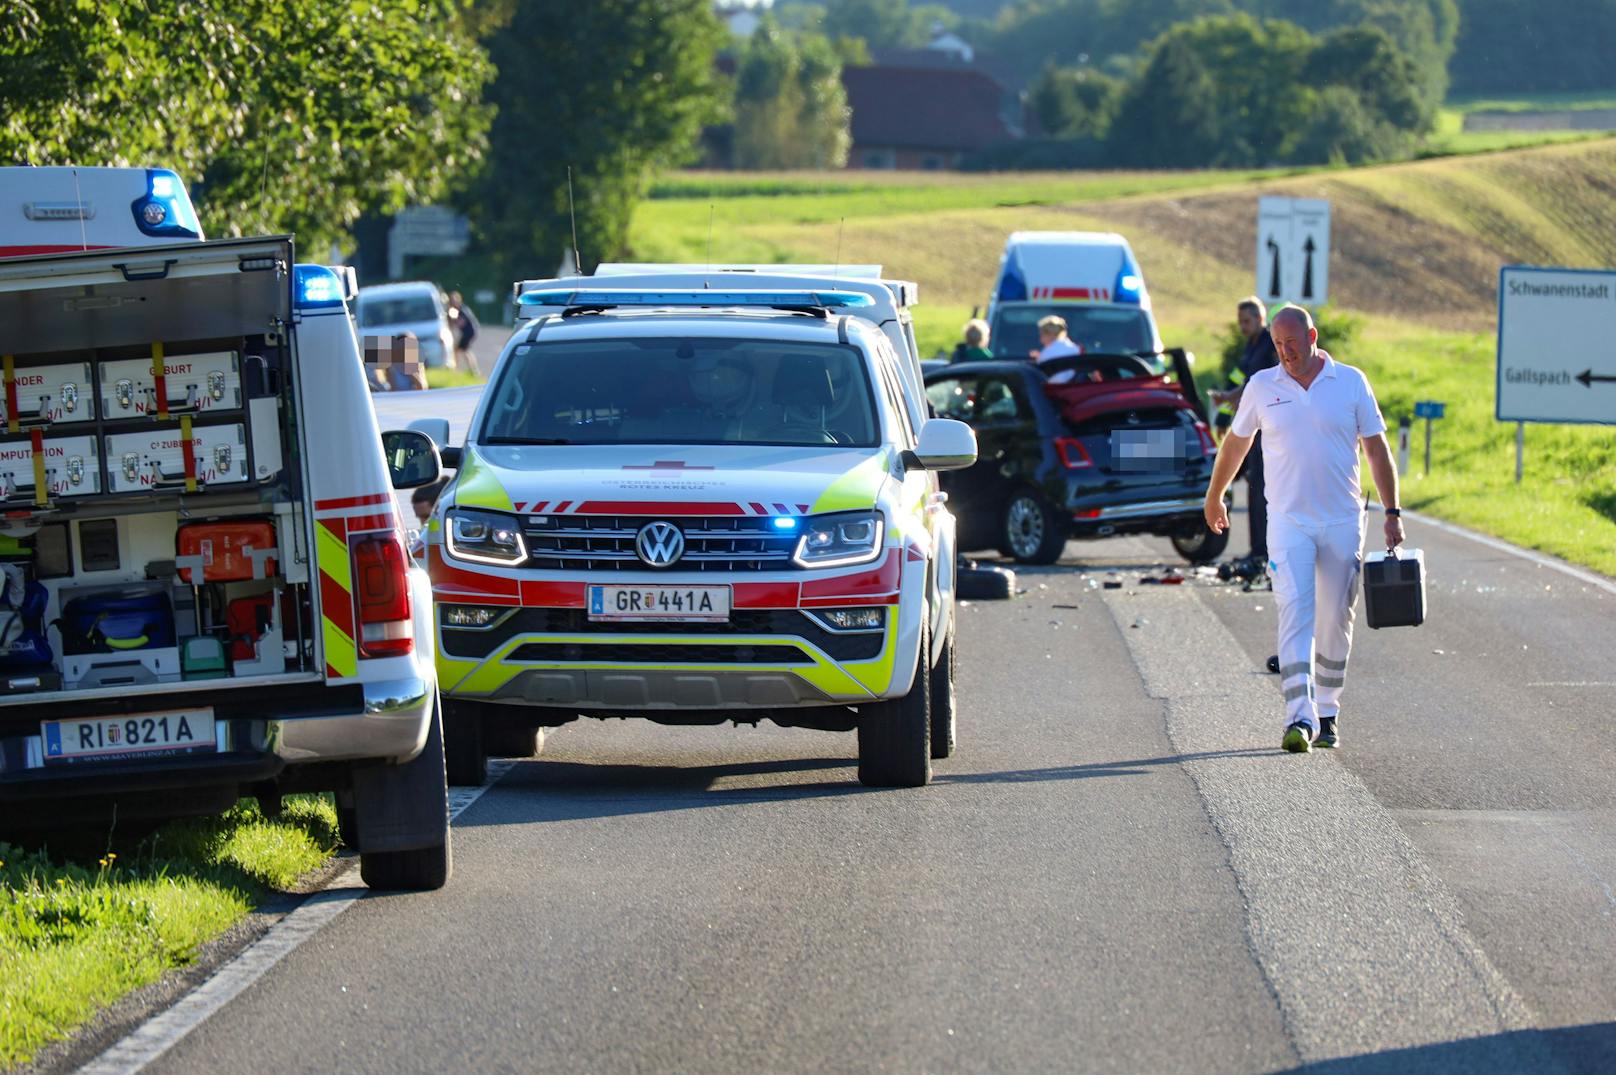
(404, 807)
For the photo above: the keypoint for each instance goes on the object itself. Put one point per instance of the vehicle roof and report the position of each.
(1009, 365)
(1065, 238)
(398, 288)
(641, 323)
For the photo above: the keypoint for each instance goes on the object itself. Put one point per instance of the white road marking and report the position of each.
(1578, 573)
(163, 1031)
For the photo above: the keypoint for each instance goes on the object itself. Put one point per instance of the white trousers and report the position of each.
(1315, 572)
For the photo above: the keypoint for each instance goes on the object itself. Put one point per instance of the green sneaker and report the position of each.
(1327, 737)
(1298, 738)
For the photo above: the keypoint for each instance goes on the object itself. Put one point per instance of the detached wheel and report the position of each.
(1201, 546)
(1033, 533)
(979, 583)
(418, 786)
(942, 701)
(466, 752)
(894, 737)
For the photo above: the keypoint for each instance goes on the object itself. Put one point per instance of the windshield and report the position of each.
(396, 310)
(1110, 329)
(683, 391)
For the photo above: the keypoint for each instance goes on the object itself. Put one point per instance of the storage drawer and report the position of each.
(155, 459)
(72, 468)
(194, 384)
(58, 394)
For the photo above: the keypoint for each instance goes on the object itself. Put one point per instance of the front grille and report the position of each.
(839, 646)
(671, 653)
(606, 543)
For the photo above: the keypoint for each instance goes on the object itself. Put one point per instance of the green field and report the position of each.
(1418, 249)
(79, 934)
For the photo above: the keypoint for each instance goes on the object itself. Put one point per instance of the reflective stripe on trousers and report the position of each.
(1315, 572)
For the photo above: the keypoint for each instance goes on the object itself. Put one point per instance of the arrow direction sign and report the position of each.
(1293, 250)
(1550, 321)
(1273, 276)
(1307, 272)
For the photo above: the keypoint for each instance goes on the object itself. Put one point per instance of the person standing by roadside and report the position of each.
(463, 324)
(1053, 342)
(1252, 318)
(1313, 413)
(974, 347)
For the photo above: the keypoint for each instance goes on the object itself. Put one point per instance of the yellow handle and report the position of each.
(128, 643)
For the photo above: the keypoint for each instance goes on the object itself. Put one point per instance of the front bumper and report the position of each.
(384, 721)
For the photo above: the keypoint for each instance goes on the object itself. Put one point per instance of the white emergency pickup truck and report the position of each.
(697, 506)
(206, 593)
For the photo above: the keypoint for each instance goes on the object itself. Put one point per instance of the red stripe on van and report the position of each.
(30, 251)
(351, 501)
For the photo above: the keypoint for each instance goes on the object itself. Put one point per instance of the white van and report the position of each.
(206, 593)
(56, 210)
(1090, 279)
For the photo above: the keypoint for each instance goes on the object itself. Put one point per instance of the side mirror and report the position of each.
(438, 430)
(946, 444)
(412, 459)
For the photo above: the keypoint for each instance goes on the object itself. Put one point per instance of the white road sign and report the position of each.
(1293, 250)
(1556, 345)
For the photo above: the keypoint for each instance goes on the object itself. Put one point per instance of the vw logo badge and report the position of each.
(659, 544)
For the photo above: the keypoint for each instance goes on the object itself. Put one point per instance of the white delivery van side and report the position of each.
(57, 210)
(1090, 279)
(207, 594)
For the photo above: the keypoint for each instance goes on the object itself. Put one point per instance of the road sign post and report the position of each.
(1402, 445)
(1430, 410)
(1293, 250)
(1556, 345)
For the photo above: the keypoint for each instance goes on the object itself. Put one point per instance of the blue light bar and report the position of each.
(623, 297)
(315, 287)
(165, 209)
(783, 523)
(1130, 286)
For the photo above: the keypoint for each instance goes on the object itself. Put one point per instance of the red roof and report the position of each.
(924, 108)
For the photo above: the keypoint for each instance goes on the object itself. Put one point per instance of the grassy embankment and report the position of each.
(77, 936)
(1416, 254)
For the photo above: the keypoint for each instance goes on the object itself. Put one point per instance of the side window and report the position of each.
(894, 392)
(954, 397)
(998, 402)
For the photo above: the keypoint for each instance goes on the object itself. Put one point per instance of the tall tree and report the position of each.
(626, 92)
(1169, 116)
(287, 114)
(1075, 102)
(790, 107)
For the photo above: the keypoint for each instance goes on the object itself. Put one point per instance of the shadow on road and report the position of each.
(1588, 1048)
(1136, 767)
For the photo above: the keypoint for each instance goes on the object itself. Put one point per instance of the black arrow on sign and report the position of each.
(1588, 377)
(1307, 268)
(1273, 278)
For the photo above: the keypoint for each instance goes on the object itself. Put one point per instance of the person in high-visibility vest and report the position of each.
(1252, 317)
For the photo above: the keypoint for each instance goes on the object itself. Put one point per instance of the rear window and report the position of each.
(396, 309)
(1109, 329)
(683, 391)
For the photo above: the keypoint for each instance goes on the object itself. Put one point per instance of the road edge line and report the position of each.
(167, 1028)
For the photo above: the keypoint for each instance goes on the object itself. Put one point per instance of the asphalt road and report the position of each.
(1117, 871)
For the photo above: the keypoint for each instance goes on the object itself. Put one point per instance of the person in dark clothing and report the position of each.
(974, 348)
(1252, 317)
(463, 324)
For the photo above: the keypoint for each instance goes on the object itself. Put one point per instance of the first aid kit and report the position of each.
(1394, 588)
(233, 550)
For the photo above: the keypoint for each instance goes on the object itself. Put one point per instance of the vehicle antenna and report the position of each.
(84, 240)
(708, 283)
(572, 211)
(840, 224)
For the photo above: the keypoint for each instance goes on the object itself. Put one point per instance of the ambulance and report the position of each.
(57, 210)
(1090, 279)
(206, 594)
(696, 498)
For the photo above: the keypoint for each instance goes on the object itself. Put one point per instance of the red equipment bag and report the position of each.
(249, 617)
(223, 546)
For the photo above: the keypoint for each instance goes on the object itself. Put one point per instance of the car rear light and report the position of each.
(1206, 439)
(381, 587)
(1072, 453)
(1087, 513)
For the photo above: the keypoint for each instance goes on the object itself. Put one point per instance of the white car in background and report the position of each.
(409, 309)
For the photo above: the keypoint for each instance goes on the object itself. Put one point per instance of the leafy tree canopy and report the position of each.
(790, 107)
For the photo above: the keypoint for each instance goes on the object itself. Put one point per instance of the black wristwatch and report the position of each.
(1396, 513)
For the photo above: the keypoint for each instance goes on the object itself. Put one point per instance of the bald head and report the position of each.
(1295, 341)
(1299, 318)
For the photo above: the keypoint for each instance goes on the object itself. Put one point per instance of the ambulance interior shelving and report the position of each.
(152, 527)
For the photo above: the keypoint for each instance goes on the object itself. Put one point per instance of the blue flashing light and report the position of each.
(315, 287)
(1130, 286)
(623, 297)
(785, 524)
(165, 209)
(1012, 288)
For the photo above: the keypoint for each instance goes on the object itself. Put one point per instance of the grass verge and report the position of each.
(77, 935)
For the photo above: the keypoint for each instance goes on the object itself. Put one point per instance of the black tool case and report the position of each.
(1394, 588)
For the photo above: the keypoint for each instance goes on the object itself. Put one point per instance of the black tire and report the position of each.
(503, 739)
(427, 868)
(1032, 532)
(348, 826)
(1202, 546)
(463, 737)
(943, 702)
(985, 583)
(894, 736)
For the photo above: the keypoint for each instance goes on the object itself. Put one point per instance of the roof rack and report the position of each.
(594, 300)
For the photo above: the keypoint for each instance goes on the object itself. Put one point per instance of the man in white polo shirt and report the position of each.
(1312, 412)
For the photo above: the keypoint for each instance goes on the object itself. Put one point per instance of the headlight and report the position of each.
(484, 537)
(850, 537)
